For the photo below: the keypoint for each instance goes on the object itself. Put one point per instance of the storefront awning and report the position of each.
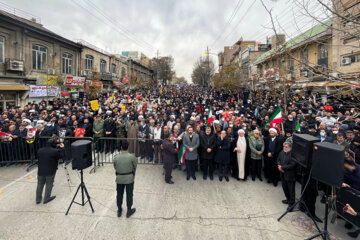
(15, 87)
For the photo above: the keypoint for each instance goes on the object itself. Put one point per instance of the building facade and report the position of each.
(34, 61)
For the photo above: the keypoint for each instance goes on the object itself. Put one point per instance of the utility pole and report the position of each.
(157, 66)
(208, 64)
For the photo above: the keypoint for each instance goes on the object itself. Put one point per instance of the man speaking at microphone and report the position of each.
(47, 165)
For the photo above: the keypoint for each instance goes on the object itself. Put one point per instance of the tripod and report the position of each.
(83, 189)
(324, 233)
(302, 201)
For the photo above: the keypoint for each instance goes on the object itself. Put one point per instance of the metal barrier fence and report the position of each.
(147, 151)
(20, 150)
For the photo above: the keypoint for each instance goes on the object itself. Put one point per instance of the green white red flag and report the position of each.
(276, 118)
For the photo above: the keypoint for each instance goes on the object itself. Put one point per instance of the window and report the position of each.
(39, 54)
(323, 51)
(113, 68)
(89, 61)
(66, 63)
(290, 65)
(102, 66)
(123, 72)
(2, 49)
(305, 55)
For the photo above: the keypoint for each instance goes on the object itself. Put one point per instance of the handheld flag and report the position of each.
(297, 128)
(275, 118)
(210, 117)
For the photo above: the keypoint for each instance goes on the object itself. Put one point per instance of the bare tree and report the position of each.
(341, 17)
(203, 71)
(163, 68)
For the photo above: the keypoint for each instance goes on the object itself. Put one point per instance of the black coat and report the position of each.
(278, 146)
(207, 141)
(169, 151)
(109, 126)
(48, 160)
(223, 151)
(288, 165)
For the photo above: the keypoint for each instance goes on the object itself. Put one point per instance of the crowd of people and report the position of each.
(206, 129)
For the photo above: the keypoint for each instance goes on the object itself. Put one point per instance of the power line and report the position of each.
(122, 27)
(115, 28)
(238, 5)
(237, 24)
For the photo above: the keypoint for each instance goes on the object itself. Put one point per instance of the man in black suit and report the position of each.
(287, 168)
(47, 165)
(273, 146)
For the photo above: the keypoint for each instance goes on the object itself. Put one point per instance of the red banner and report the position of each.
(79, 132)
(65, 93)
(74, 81)
(125, 80)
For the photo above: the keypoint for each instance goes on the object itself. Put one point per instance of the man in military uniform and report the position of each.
(125, 167)
(98, 129)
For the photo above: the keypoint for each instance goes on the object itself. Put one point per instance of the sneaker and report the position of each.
(284, 201)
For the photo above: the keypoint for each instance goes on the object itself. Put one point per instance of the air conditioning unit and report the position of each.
(15, 65)
(51, 71)
(346, 61)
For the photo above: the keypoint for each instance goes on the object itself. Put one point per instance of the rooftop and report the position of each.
(298, 40)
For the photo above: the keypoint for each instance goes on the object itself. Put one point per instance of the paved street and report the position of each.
(186, 210)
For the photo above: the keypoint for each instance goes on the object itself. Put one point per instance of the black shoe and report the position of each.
(50, 199)
(275, 184)
(348, 225)
(220, 179)
(193, 177)
(226, 178)
(238, 179)
(170, 182)
(188, 178)
(315, 218)
(260, 179)
(204, 177)
(253, 178)
(268, 181)
(38, 202)
(285, 201)
(211, 177)
(353, 234)
(130, 212)
(119, 212)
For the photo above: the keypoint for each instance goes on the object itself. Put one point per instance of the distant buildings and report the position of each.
(36, 63)
(325, 59)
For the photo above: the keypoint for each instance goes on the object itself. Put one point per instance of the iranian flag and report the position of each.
(297, 128)
(275, 118)
(210, 117)
(181, 154)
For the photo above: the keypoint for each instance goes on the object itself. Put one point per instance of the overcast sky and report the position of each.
(181, 28)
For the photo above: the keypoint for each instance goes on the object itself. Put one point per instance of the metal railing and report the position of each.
(104, 149)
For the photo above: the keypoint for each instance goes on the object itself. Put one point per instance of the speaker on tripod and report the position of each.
(82, 158)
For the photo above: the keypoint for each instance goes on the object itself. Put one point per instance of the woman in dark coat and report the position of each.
(223, 155)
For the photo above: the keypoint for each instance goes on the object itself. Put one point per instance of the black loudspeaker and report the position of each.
(352, 197)
(81, 154)
(328, 163)
(302, 149)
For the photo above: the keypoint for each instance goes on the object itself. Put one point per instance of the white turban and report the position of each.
(241, 130)
(273, 129)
